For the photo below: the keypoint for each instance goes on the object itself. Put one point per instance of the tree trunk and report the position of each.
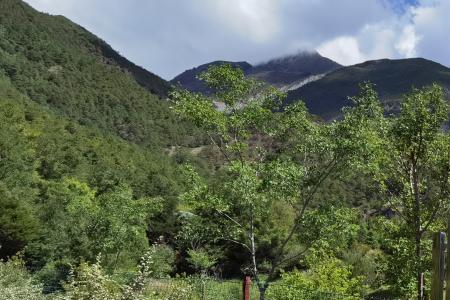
(116, 260)
(419, 269)
(414, 181)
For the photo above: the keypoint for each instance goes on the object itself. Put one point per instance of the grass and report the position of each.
(197, 289)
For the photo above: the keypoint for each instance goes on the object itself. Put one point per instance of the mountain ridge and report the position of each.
(391, 77)
(285, 72)
(288, 71)
(326, 87)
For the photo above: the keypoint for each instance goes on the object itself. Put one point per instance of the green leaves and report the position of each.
(199, 110)
(423, 114)
(360, 138)
(121, 223)
(275, 162)
(16, 283)
(201, 260)
(320, 227)
(248, 110)
(229, 83)
(198, 195)
(328, 279)
(282, 180)
(408, 156)
(52, 173)
(244, 187)
(419, 155)
(80, 198)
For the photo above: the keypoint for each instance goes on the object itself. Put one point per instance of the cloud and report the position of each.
(392, 37)
(170, 36)
(374, 41)
(257, 20)
(431, 23)
(407, 44)
(344, 49)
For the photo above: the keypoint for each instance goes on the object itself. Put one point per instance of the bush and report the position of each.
(162, 260)
(329, 279)
(89, 282)
(16, 283)
(367, 262)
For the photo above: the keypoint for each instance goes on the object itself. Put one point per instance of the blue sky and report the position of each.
(169, 36)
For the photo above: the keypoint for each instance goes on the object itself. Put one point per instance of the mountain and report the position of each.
(62, 66)
(292, 71)
(188, 79)
(286, 72)
(392, 78)
(325, 86)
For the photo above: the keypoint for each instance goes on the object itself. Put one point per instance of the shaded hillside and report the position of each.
(392, 78)
(188, 79)
(58, 64)
(285, 72)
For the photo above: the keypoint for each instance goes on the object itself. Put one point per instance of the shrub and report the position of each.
(16, 283)
(89, 282)
(329, 279)
(162, 260)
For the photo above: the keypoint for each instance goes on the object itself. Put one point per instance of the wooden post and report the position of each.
(438, 272)
(447, 271)
(246, 288)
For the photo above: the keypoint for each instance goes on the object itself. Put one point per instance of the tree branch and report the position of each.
(430, 219)
(219, 147)
(239, 243)
(229, 218)
(329, 168)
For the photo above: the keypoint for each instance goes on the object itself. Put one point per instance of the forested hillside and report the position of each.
(83, 145)
(58, 64)
(47, 160)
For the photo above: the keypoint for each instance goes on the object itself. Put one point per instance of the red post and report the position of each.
(246, 288)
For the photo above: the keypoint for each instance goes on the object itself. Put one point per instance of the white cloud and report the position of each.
(169, 36)
(394, 37)
(407, 45)
(344, 50)
(257, 20)
(431, 22)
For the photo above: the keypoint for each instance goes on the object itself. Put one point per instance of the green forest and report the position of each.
(115, 189)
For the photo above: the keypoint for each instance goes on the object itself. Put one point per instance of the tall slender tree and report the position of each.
(415, 174)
